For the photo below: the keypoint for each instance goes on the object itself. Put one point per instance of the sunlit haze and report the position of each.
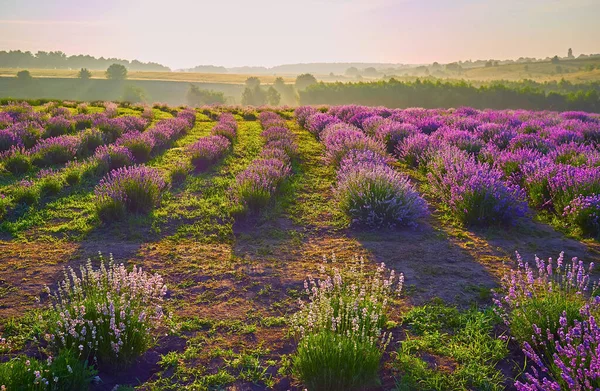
(185, 33)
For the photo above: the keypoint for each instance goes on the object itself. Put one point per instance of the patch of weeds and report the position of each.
(446, 349)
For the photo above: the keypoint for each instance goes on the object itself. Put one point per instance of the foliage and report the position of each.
(24, 76)
(116, 72)
(63, 372)
(374, 194)
(462, 345)
(535, 298)
(199, 97)
(84, 74)
(304, 81)
(134, 189)
(107, 314)
(339, 328)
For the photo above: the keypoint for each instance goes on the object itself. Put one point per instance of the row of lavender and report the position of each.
(55, 136)
(369, 190)
(117, 143)
(255, 185)
(485, 165)
(138, 189)
(208, 150)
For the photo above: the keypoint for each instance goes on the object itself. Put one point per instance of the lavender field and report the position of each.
(317, 247)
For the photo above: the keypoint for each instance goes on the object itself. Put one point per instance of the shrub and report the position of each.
(206, 151)
(55, 150)
(224, 130)
(51, 185)
(189, 116)
(24, 76)
(72, 176)
(9, 140)
(90, 140)
(318, 122)
(254, 186)
(63, 372)
(339, 329)
(371, 124)
(338, 142)
(302, 114)
(574, 366)
(374, 194)
(139, 144)
(268, 119)
(108, 313)
(535, 298)
(414, 150)
(28, 132)
(111, 109)
(289, 146)
(392, 133)
(83, 121)
(569, 182)
(58, 126)
(116, 72)
(474, 192)
(274, 152)
(466, 339)
(5, 204)
(83, 108)
(536, 181)
(17, 161)
(26, 192)
(462, 139)
(180, 172)
(584, 212)
(114, 156)
(135, 189)
(113, 128)
(147, 113)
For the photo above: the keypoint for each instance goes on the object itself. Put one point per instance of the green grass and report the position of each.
(446, 350)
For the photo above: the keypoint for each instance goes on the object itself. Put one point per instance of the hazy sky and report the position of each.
(184, 33)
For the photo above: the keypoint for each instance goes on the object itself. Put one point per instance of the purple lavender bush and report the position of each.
(226, 127)
(302, 113)
(16, 160)
(474, 192)
(58, 126)
(28, 132)
(140, 145)
(584, 213)
(391, 133)
(55, 150)
(8, 140)
(111, 157)
(208, 150)
(134, 189)
(340, 141)
(547, 309)
(574, 366)
(415, 150)
(254, 186)
(373, 194)
(317, 123)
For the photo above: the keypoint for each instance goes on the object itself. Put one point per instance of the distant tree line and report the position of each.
(437, 94)
(59, 60)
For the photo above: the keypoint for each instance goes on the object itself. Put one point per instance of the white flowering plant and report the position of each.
(109, 314)
(340, 328)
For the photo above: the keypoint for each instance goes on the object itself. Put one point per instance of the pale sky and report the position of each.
(185, 33)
